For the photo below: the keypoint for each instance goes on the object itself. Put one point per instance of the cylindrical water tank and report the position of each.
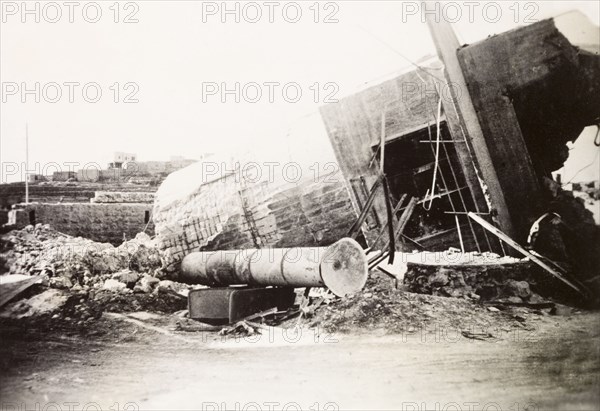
(342, 267)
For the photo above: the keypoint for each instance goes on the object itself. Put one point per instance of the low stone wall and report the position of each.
(122, 197)
(100, 222)
(54, 192)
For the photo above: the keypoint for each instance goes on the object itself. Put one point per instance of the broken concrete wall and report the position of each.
(354, 129)
(533, 92)
(407, 107)
(109, 223)
(224, 214)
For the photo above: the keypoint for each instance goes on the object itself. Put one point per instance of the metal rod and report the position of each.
(464, 204)
(462, 245)
(463, 213)
(413, 241)
(455, 183)
(440, 195)
(442, 141)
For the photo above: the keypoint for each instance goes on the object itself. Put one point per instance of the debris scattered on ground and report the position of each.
(82, 280)
(479, 277)
(476, 336)
(238, 329)
(90, 277)
(380, 306)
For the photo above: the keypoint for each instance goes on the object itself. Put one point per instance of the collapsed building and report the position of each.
(465, 140)
(532, 92)
(478, 131)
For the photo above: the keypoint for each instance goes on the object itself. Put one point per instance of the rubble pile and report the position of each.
(575, 241)
(81, 278)
(380, 306)
(70, 261)
(479, 277)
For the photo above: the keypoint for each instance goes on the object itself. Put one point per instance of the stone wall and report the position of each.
(100, 222)
(14, 193)
(122, 197)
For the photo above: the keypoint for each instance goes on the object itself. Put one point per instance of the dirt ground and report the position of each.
(551, 363)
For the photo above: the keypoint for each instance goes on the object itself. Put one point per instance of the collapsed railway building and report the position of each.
(488, 130)
(478, 130)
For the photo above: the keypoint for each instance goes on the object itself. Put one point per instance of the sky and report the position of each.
(164, 69)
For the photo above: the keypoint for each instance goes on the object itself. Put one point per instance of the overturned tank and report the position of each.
(341, 267)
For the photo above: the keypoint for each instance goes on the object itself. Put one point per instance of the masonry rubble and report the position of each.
(81, 279)
(95, 274)
(482, 277)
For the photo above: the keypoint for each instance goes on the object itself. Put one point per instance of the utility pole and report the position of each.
(466, 118)
(26, 163)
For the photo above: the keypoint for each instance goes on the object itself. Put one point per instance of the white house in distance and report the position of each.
(121, 158)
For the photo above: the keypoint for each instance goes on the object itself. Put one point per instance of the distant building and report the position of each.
(64, 175)
(36, 178)
(120, 158)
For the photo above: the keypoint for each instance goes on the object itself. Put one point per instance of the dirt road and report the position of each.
(554, 364)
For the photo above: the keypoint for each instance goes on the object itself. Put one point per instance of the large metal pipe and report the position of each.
(341, 267)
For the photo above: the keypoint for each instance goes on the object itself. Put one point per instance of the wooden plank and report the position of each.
(365, 211)
(384, 226)
(10, 289)
(403, 220)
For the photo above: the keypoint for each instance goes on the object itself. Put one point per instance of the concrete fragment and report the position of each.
(62, 283)
(146, 259)
(439, 279)
(128, 277)
(113, 285)
(149, 280)
(514, 300)
(517, 288)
